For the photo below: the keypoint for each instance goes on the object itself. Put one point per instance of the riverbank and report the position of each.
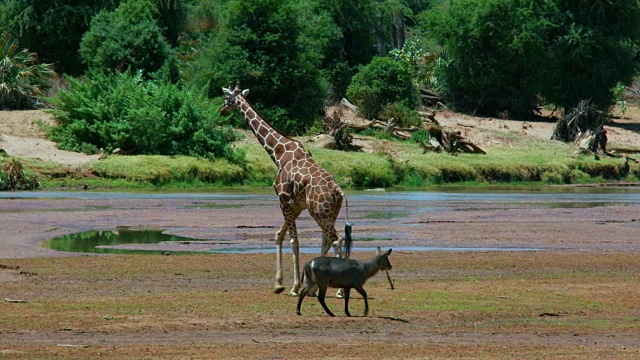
(517, 152)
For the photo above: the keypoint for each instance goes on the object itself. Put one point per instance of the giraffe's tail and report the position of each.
(348, 241)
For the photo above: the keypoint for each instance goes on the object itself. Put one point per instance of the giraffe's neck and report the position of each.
(274, 143)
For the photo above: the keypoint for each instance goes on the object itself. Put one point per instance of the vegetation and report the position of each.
(274, 48)
(112, 110)
(22, 79)
(127, 38)
(145, 75)
(13, 177)
(384, 81)
(505, 54)
(520, 161)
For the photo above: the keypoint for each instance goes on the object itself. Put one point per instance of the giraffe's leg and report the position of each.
(278, 287)
(295, 249)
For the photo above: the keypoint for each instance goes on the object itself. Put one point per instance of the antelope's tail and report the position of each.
(348, 241)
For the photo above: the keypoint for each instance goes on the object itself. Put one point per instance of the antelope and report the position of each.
(343, 273)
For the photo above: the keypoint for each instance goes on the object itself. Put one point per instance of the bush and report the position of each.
(382, 82)
(22, 79)
(126, 38)
(138, 116)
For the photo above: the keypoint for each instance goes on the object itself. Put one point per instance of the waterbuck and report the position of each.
(341, 273)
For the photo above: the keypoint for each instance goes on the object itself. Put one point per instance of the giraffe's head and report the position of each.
(230, 98)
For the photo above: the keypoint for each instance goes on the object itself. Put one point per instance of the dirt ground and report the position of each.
(578, 297)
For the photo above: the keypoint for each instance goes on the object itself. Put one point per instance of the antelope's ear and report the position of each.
(378, 251)
(387, 253)
(245, 92)
(227, 92)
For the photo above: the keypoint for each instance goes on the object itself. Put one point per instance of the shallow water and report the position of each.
(117, 241)
(592, 195)
(376, 209)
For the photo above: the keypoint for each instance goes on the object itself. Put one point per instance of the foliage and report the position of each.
(618, 96)
(496, 49)
(127, 38)
(424, 65)
(275, 49)
(383, 81)
(355, 44)
(140, 117)
(506, 54)
(22, 79)
(594, 47)
(53, 29)
(13, 177)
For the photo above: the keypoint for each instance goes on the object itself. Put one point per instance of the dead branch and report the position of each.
(15, 301)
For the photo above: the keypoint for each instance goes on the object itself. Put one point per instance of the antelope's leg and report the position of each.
(322, 291)
(303, 293)
(346, 301)
(366, 303)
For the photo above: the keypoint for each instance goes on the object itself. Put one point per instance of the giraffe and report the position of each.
(301, 183)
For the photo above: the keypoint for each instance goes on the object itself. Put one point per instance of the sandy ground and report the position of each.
(21, 134)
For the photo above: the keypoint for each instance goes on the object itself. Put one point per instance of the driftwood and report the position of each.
(342, 138)
(584, 127)
(451, 142)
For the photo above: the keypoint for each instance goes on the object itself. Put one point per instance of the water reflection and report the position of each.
(95, 241)
(110, 242)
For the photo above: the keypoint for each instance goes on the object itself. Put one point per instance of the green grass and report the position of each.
(516, 161)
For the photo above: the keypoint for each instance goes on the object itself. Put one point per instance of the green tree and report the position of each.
(504, 55)
(595, 46)
(274, 48)
(22, 78)
(127, 38)
(497, 52)
(52, 29)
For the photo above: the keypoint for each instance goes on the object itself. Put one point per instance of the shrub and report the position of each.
(139, 116)
(126, 38)
(22, 79)
(382, 82)
(402, 115)
(13, 177)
